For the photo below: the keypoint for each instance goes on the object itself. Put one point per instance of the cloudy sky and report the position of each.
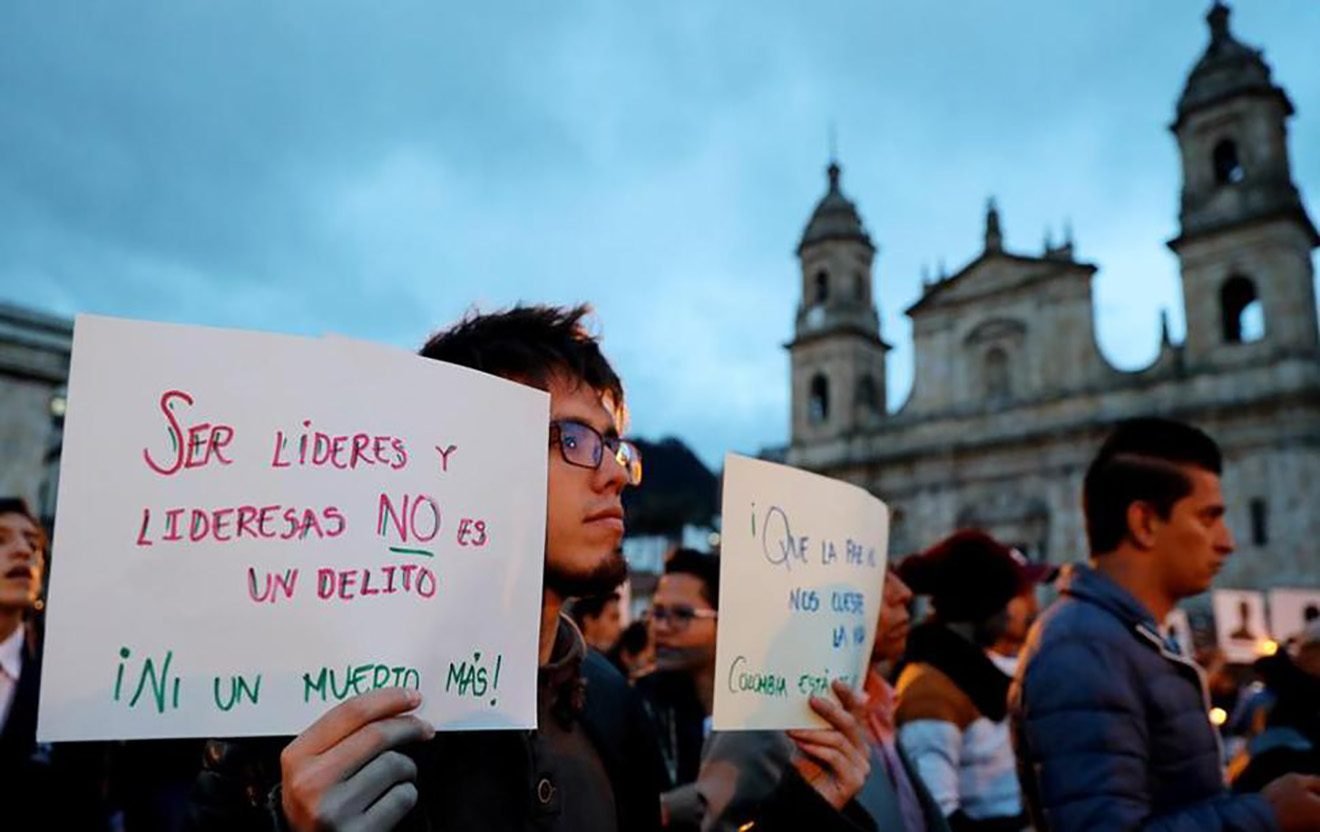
(375, 169)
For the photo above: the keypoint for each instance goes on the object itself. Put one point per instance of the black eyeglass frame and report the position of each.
(621, 450)
(680, 616)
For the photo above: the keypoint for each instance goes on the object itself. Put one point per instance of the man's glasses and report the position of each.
(679, 616)
(583, 446)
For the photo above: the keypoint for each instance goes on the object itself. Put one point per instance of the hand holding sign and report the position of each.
(802, 572)
(343, 771)
(835, 761)
(253, 528)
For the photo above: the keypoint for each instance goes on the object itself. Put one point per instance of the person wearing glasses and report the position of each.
(591, 765)
(680, 693)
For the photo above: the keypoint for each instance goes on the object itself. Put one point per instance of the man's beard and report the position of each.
(601, 579)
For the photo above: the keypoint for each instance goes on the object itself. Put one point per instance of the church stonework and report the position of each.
(1011, 396)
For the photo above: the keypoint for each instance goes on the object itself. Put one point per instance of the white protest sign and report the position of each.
(252, 528)
(1240, 624)
(1292, 610)
(802, 570)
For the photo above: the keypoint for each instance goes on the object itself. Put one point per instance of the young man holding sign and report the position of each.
(590, 765)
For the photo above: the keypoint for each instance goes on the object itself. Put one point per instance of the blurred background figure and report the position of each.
(680, 693)
(634, 654)
(600, 620)
(41, 786)
(953, 693)
(1289, 739)
(1020, 614)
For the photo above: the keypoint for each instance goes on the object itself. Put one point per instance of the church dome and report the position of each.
(835, 217)
(1228, 68)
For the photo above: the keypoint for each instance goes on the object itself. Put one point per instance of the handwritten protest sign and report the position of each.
(252, 528)
(802, 571)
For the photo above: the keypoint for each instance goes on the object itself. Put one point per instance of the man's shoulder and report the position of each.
(611, 705)
(926, 692)
(1071, 619)
(604, 681)
(1076, 639)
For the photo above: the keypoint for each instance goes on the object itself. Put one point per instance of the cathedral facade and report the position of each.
(1011, 396)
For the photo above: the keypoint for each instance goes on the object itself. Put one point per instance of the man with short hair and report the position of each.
(679, 694)
(1110, 718)
(600, 620)
(590, 766)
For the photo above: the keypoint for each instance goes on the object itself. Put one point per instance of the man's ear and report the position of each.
(1142, 523)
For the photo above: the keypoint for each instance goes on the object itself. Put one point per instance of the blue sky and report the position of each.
(377, 169)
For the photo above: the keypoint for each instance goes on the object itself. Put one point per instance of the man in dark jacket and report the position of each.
(1110, 719)
(590, 766)
(368, 763)
(679, 695)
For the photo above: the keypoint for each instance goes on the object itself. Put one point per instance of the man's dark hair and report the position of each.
(590, 606)
(1143, 460)
(17, 505)
(633, 639)
(700, 565)
(529, 344)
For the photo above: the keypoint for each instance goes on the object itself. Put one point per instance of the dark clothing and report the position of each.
(1111, 723)
(796, 807)
(590, 767)
(41, 785)
(678, 721)
(749, 776)
(1290, 742)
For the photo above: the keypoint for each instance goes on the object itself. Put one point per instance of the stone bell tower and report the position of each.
(838, 357)
(1245, 239)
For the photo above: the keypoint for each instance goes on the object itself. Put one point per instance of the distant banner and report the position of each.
(802, 570)
(252, 528)
(1293, 610)
(1240, 624)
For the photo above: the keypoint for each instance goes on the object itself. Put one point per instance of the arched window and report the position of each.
(868, 396)
(818, 405)
(822, 286)
(1243, 315)
(859, 287)
(998, 384)
(1228, 168)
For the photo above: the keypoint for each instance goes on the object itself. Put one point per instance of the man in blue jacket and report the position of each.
(1109, 717)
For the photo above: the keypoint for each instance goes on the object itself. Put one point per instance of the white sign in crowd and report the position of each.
(254, 527)
(802, 569)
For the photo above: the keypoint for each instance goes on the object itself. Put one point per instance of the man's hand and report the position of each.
(342, 774)
(835, 760)
(1295, 799)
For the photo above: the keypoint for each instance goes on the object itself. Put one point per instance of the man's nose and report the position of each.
(611, 475)
(23, 551)
(1226, 544)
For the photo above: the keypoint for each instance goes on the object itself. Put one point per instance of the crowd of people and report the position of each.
(978, 710)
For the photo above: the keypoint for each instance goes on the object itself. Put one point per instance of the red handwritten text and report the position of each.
(193, 447)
